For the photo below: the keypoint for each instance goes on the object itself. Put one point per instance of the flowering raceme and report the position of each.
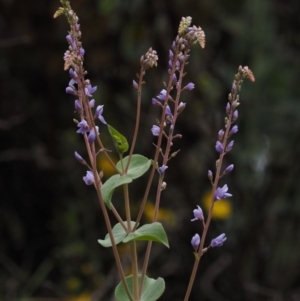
(91, 122)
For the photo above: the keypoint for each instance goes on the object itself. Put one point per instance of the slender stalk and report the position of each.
(138, 116)
(132, 245)
(93, 160)
(215, 185)
(166, 156)
(155, 160)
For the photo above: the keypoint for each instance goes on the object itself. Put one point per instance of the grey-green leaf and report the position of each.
(152, 289)
(149, 232)
(137, 167)
(109, 186)
(118, 233)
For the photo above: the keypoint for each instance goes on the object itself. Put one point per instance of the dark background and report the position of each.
(50, 221)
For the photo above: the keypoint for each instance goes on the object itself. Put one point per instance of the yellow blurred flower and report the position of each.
(164, 215)
(104, 164)
(222, 208)
(73, 283)
(81, 297)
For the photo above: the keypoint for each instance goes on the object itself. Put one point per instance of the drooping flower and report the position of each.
(210, 175)
(83, 127)
(221, 193)
(234, 130)
(161, 170)
(93, 134)
(162, 95)
(79, 158)
(181, 107)
(229, 146)
(220, 135)
(218, 241)
(77, 105)
(81, 52)
(92, 103)
(168, 111)
(198, 213)
(98, 114)
(70, 90)
(89, 178)
(219, 147)
(229, 169)
(189, 86)
(195, 241)
(155, 102)
(89, 90)
(155, 130)
(235, 115)
(135, 85)
(73, 74)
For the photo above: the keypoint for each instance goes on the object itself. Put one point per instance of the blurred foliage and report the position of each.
(50, 221)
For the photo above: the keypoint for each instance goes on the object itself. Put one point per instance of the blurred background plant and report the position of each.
(50, 221)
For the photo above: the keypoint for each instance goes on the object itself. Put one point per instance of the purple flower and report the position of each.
(77, 27)
(174, 79)
(235, 115)
(89, 90)
(77, 105)
(198, 213)
(171, 54)
(218, 241)
(79, 158)
(229, 146)
(210, 175)
(161, 170)
(168, 111)
(71, 42)
(92, 103)
(70, 90)
(83, 127)
(220, 135)
(228, 106)
(155, 130)
(181, 107)
(155, 101)
(219, 147)
(98, 114)
(73, 74)
(162, 95)
(233, 130)
(229, 169)
(93, 134)
(81, 52)
(135, 85)
(89, 178)
(221, 193)
(189, 86)
(195, 241)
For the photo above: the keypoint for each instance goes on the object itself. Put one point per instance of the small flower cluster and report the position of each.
(216, 242)
(178, 58)
(80, 87)
(222, 147)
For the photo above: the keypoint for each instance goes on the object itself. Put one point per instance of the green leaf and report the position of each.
(109, 186)
(149, 232)
(137, 167)
(118, 233)
(120, 141)
(152, 289)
